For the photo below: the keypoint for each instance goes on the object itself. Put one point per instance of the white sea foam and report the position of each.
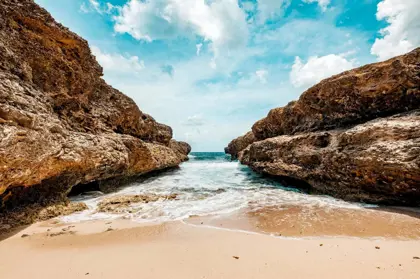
(204, 187)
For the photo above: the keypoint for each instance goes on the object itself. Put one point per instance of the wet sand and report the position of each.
(269, 242)
(298, 221)
(178, 250)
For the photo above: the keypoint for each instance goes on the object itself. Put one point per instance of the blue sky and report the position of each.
(211, 68)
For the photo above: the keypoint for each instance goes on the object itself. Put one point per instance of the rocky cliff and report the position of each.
(61, 125)
(355, 135)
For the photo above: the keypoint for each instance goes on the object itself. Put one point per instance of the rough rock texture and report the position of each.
(36, 213)
(60, 123)
(239, 144)
(378, 161)
(355, 135)
(120, 204)
(352, 97)
(181, 147)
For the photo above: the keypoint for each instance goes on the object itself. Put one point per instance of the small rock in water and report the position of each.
(416, 258)
(109, 229)
(120, 204)
(236, 257)
(377, 247)
(24, 235)
(321, 244)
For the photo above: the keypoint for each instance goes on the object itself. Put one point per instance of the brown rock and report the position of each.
(61, 210)
(354, 136)
(239, 144)
(120, 204)
(373, 162)
(182, 148)
(37, 212)
(352, 97)
(60, 124)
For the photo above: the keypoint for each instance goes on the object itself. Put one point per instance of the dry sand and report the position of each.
(179, 250)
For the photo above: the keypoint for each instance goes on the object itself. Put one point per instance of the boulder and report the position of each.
(354, 136)
(352, 97)
(61, 125)
(239, 144)
(375, 162)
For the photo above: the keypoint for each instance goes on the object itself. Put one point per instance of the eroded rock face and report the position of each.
(60, 123)
(37, 212)
(121, 204)
(182, 148)
(239, 144)
(378, 161)
(347, 137)
(356, 96)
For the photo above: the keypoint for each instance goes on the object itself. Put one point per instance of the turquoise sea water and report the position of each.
(208, 184)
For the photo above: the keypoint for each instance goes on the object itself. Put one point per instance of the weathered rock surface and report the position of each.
(239, 144)
(60, 123)
(378, 161)
(182, 148)
(120, 204)
(37, 212)
(355, 96)
(355, 135)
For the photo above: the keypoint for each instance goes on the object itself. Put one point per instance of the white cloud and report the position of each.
(118, 63)
(195, 120)
(262, 75)
(168, 69)
(268, 9)
(220, 22)
(317, 68)
(302, 36)
(323, 4)
(84, 9)
(197, 104)
(248, 6)
(403, 32)
(96, 6)
(198, 46)
(213, 64)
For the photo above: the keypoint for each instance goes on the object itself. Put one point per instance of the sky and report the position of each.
(211, 68)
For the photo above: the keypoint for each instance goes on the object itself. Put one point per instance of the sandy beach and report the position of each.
(123, 249)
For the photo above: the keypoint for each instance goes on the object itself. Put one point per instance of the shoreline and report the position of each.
(183, 250)
(288, 221)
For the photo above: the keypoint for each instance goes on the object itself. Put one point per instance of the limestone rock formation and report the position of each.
(355, 135)
(120, 204)
(60, 124)
(239, 144)
(352, 97)
(181, 147)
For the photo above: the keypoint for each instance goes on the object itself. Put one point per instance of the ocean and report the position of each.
(208, 184)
